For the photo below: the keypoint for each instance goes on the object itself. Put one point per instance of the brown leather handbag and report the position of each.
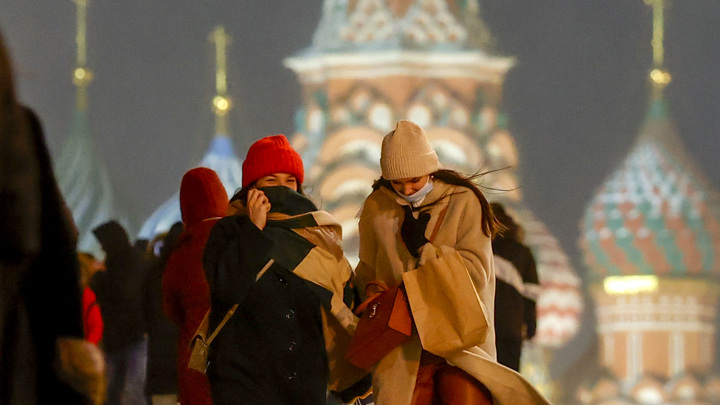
(386, 321)
(385, 324)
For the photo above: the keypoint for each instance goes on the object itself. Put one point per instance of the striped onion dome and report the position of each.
(559, 304)
(372, 25)
(85, 184)
(222, 159)
(656, 214)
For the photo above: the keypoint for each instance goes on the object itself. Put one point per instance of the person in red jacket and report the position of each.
(186, 294)
(92, 317)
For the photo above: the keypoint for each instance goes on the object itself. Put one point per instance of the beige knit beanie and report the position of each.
(406, 153)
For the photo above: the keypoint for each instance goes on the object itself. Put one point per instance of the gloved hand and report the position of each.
(412, 230)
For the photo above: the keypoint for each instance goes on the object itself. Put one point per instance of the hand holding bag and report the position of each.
(446, 307)
(385, 323)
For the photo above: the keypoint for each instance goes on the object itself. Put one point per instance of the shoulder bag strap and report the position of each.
(439, 221)
(234, 307)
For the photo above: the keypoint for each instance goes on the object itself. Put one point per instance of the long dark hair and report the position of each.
(490, 224)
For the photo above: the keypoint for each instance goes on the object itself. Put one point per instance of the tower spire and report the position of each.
(221, 102)
(81, 75)
(659, 76)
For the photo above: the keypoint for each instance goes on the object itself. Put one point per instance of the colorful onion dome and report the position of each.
(382, 24)
(560, 304)
(222, 159)
(373, 38)
(656, 214)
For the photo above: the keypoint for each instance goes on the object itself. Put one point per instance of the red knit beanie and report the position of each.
(272, 154)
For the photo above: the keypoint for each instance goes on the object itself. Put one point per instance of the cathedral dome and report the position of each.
(656, 214)
(351, 25)
(220, 157)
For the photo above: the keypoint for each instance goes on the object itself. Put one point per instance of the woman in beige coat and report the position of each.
(415, 201)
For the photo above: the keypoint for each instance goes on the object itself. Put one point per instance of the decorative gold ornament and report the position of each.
(660, 77)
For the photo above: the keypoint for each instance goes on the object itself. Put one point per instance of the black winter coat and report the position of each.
(119, 289)
(515, 313)
(41, 295)
(162, 375)
(272, 351)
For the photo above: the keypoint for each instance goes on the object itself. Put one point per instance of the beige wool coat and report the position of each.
(383, 256)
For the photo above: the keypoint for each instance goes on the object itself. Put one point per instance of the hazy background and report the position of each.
(575, 99)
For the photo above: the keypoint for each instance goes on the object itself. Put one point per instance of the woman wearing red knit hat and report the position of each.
(279, 262)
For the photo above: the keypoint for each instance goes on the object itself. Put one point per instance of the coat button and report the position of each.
(292, 376)
(291, 346)
(290, 313)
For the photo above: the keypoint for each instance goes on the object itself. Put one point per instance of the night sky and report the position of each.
(575, 99)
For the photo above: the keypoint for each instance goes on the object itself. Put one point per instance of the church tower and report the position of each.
(651, 239)
(220, 156)
(82, 174)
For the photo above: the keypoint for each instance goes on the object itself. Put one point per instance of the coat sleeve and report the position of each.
(365, 269)
(470, 242)
(235, 252)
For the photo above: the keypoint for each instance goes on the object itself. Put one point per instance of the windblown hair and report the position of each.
(490, 224)
(512, 229)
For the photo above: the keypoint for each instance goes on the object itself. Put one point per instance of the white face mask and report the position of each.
(417, 197)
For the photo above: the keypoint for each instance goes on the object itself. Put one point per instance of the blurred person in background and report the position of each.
(119, 291)
(186, 294)
(516, 290)
(161, 384)
(42, 351)
(92, 316)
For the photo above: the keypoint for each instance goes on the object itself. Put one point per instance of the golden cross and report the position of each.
(658, 74)
(81, 75)
(222, 40)
(221, 102)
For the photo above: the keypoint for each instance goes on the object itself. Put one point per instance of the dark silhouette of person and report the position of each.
(42, 352)
(119, 291)
(161, 382)
(516, 290)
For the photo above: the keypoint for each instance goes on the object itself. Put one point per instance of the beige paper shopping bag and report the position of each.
(445, 304)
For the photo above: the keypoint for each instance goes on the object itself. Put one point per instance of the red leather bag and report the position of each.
(385, 323)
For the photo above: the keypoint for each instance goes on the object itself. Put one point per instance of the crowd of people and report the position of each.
(264, 272)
